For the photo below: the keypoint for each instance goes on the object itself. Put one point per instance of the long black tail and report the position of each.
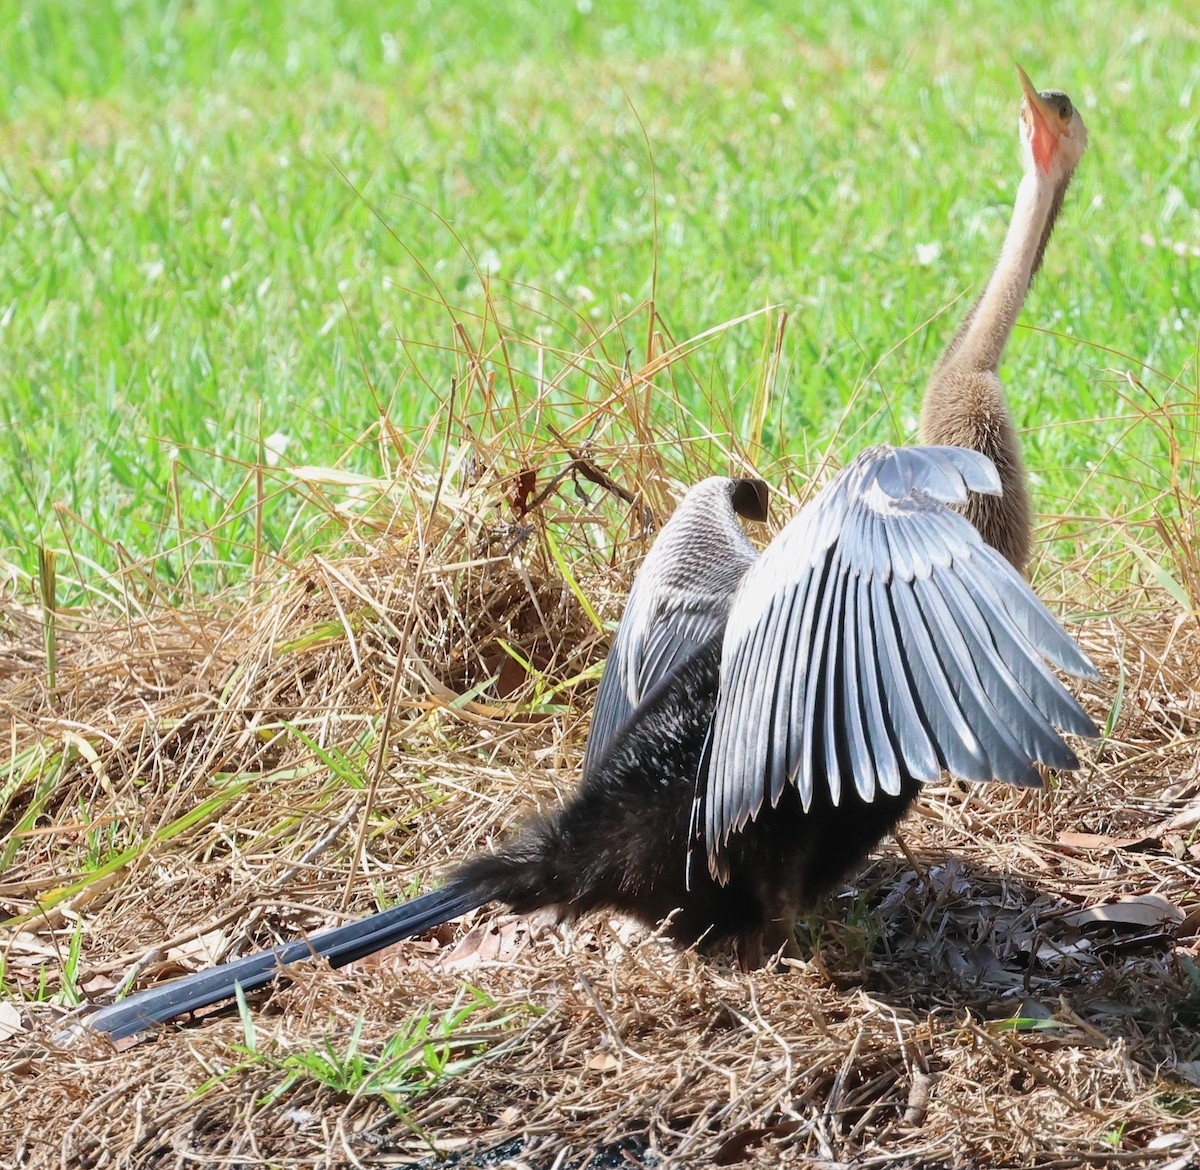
(338, 946)
(548, 864)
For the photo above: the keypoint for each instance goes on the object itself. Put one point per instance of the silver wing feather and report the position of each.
(878, 637)
(679, 600)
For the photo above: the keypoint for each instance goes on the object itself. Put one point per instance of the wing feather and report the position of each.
(815, 692)
(1034, 620)
(860, 760)
(786, 681)
(918, 751)
(833, 689)
(1051, 697)
(1016, 705)
(882, 750)
(761, 676)
(786, 764)
(1005, 757)
(956, 740)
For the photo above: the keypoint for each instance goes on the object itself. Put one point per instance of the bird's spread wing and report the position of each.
(679, 601)
(662, 625)
(878, 638)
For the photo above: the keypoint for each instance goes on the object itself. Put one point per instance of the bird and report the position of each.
(766, 718)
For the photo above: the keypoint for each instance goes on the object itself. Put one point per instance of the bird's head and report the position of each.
(1053, 136)
(751, 499)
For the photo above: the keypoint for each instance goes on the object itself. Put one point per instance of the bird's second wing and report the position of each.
(679, 600)
(653, 638)
(878, 638)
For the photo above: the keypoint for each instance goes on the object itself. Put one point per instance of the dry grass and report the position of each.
(212, 777)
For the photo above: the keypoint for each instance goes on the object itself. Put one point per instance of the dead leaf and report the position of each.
(23, 945)
(1145, 910)
(511, 677)
(206, 949)
(490, 941)
(448, 1145)
(1167, 1141)
(737, 1147)
(1187, 818)
(1089, 841)
(1048, 949)
(524, 486)
(11, 1023)
(1188, 1070)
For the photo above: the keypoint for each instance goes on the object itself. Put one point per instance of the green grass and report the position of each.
(427, 1051)
(216, 219)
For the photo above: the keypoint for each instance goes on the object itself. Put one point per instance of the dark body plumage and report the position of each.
(622, 842)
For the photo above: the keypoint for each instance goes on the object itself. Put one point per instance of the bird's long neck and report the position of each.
(982, 337)
(964, 404)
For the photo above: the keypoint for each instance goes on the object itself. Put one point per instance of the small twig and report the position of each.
(48, 587)
(617, 1039)
(922, 876)
(918, 1097)
(318, 847)
(833, 1106)
(538, 500)
(585, 467)
(186, 936)
(401, 654)
(122, 985)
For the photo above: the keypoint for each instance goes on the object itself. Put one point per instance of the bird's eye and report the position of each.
(1065, 109)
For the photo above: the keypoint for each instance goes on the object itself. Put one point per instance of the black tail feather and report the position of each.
(338, 946)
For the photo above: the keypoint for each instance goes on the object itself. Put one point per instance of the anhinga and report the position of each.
(764, 720)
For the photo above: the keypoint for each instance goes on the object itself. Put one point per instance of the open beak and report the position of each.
(1040, 119)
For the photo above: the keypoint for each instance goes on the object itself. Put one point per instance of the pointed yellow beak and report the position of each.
(1043, 139)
